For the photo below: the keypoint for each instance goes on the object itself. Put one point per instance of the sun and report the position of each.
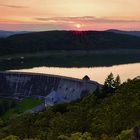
(78, 26)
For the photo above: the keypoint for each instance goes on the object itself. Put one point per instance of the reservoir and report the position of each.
(126, 71)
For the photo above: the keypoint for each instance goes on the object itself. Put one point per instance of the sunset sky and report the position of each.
(69, 14)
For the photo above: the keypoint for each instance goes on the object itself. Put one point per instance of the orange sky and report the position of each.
(69, 14)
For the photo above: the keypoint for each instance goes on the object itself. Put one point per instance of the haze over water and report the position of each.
(126, 71)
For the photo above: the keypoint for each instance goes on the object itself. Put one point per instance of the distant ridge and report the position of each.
(4, 33)
(134, 33)
(67, 40)
(9, 33)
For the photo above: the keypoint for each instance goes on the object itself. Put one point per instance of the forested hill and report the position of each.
(134, 33)
(67, 40)
(9, 33)
(105, 115)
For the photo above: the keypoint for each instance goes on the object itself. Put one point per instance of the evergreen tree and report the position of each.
(109, 85)
(117, 81)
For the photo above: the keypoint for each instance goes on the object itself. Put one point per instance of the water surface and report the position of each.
(69, 59)
(126, 71)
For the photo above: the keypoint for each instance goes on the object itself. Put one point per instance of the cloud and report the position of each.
(69, 23)
(13, 6)
(84, 19)
(31, 27)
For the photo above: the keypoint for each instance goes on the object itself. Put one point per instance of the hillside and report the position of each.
(134, 33)
(67, 40)
(109, 117)
(9, 108)
(9, 33)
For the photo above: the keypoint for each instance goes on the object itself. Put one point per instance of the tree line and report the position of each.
(67, 40)
(109, 117)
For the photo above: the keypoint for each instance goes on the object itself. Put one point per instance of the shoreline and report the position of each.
(67, 53)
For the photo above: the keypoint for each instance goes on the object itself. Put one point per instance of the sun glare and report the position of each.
(78, 26)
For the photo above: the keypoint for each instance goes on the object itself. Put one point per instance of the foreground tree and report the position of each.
(117, 82)
(110, 85)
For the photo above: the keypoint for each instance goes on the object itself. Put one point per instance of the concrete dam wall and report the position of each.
(51, 87)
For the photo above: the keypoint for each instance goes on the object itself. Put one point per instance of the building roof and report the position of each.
(86, 78)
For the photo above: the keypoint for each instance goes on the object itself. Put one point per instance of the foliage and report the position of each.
(117, 82)
(11, 137)
(77, 136)
(103, 118)
(1, 122)
(6, 105)
(125, 135)
(67, 59)
(66, 40)
(111, 84)
(21, 107)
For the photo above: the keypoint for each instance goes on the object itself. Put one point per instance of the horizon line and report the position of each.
(133, 30)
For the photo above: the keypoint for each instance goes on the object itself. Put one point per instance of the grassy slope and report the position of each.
(22, 106)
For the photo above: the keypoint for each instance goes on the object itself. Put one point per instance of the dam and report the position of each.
(52, 88)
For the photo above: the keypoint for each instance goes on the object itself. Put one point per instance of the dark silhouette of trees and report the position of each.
(110, 118)
(66, 40)
(136, 133)
(117, 82)
(110, 85)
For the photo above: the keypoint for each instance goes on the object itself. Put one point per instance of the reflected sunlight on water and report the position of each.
(95, 73)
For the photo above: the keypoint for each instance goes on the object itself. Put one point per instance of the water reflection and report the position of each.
(64, 60)
(95, 73)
